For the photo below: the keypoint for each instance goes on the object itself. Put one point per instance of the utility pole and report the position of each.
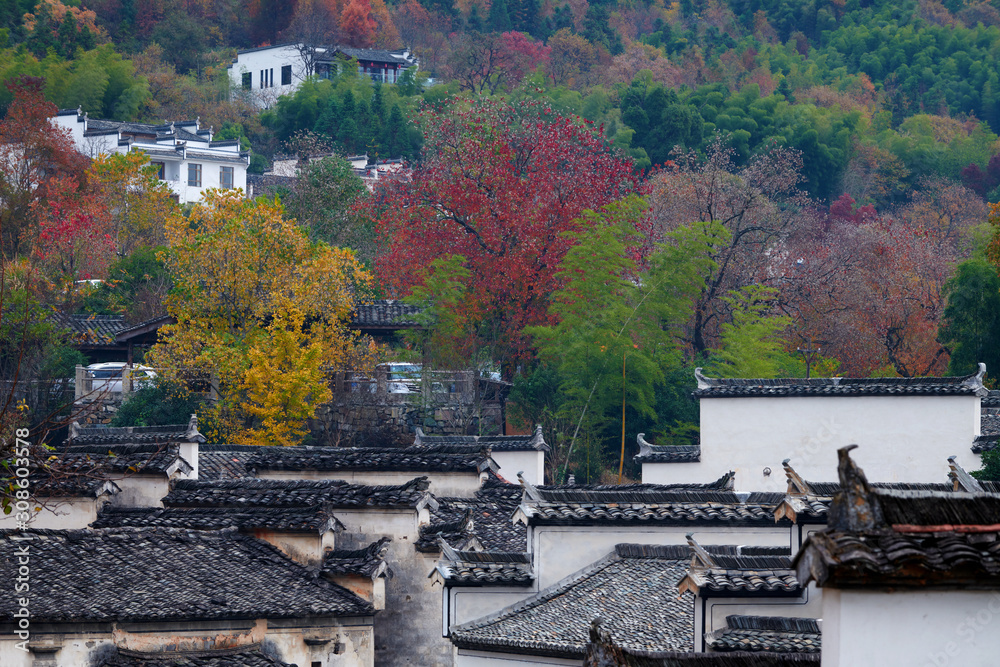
(809, 354)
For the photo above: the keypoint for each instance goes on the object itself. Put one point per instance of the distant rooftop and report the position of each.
(967, 385)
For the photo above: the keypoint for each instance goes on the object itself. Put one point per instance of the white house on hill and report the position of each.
(268, 72)
(188, 159)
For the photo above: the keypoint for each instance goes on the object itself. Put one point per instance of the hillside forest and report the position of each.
(604, 195)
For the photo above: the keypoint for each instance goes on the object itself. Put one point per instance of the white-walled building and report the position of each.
(908, 426)
(187, 158)
(268, 72)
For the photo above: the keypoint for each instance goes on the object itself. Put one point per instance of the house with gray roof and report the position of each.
(751, 425)
(634, 588)
(188, 159)
(908, 576)
(111, 595)
(514, 454)
(459, 472)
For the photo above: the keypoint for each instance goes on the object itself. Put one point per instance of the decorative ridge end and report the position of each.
(529, 488)
(961, 479)
(644, 447)
(796, 485)
(703, 382)
(700, 558)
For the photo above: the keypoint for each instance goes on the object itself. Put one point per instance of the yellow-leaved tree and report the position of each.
(262, 311)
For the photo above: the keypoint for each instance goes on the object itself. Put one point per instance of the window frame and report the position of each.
(286, 75)
(247, 80)
(223, 171)
(196, 167)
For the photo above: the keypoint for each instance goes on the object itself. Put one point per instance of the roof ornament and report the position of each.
(529, 489)
(644, 447)
(446, 549)
(537, 439)
(855, 507)
(796, 485)
(961, 479)
(976, 381)
(418, 437)
(699, 557)
(703, 382)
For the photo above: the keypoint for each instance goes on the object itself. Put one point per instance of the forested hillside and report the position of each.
(604, 195)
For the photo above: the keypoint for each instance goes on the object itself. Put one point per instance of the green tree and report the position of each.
(971, 326)
(752, 346)
(322, 201)
(618, 321)
(499, 16)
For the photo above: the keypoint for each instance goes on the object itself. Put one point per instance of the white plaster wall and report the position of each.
(57, 513)
(468, 604)
(443, 484)
(274, 58)
(141, 491)
(810, 605)
(467, 658)
(912, 628)
(304, 548)
(531, 463)
(559, 551)
(901, 438)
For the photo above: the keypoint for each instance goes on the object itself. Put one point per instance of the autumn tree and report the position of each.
(357, 24)
(136, 203)
(759, 204)
(488, 63)
(499, 184)
(31, 153)
(261, 310)
(323, 200)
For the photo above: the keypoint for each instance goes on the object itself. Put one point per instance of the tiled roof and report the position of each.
(809, 502)
(295, 493)
(650, 453)
(287, 519)
(989, 423)
(385, 313)
(484, 568)
(757, 574)
(685, 504)
(134, 435)
(634, 590)
(474, 443)
(98, 460)
(218, 462)
(407, 459)
(984, 443)
(92, 329)
(128, 574)
(890, 538)
(81, 485)
(248, 656)
(968, 385)
(366, 562)
(779, 634)
(991, 400)
(376, 55)
(486, 519)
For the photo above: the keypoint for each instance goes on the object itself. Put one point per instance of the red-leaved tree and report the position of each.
(499, 184)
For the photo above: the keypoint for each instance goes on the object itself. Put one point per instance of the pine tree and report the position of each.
(499, 18)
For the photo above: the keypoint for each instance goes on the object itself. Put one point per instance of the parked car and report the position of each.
(402, 378)
(107, 376)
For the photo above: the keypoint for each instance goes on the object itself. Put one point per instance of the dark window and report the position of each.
(194, 175)
(263, 79)
(286, 75)
(247, 80)
(226, 177)
(160, 170)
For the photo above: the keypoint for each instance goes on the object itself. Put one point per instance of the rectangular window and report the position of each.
(270, 78)
(263, 81)
(161, 169)
(286, 75)
(225, 177)
(247, 80)
(194, 175)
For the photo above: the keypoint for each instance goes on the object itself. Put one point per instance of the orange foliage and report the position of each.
(357, 24)
(84, 17)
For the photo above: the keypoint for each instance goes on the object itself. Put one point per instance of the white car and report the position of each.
(107, 376)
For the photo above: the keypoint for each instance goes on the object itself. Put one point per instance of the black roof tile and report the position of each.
(635, 595)
(287, 519)
(218, 462)
(248, 656)
(367, 562)
(92, 329)
(778, 634)
(332, 494)
(386, 313)
(650, 453)
(474, 443)
(99, 461)
(968, 385)
(406, 459)
(128, 574)
(485, 518)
